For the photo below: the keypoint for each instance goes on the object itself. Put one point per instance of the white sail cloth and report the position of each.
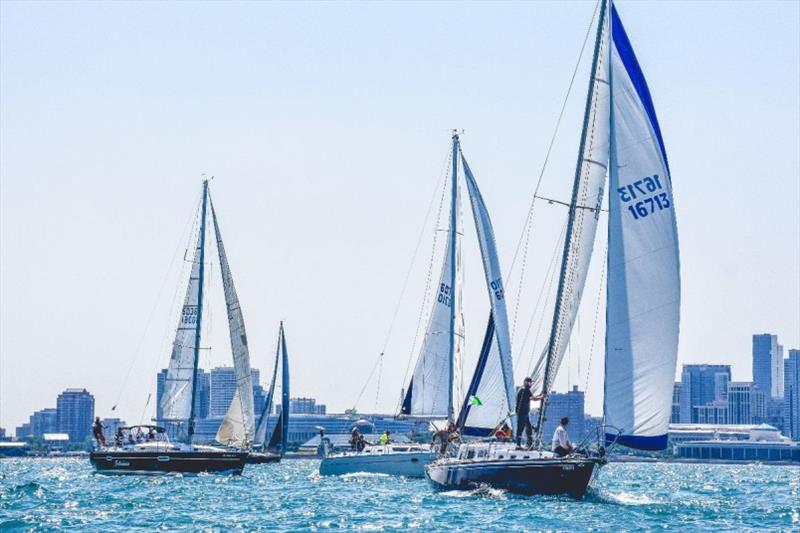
(587, 196)
(261, 428)
(176, 402)
(490, 397)
(237, 428)
(643, 308)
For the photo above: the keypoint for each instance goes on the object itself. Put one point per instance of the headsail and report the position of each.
(490, 398)
(180, 381)
(237, 427)
(643, 309)
(263, 421)
(280, 434)
(430, 392)
(584, 210)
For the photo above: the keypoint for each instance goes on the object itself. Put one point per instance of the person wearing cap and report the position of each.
(523, 410)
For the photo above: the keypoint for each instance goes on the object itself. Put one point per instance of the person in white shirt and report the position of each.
(561, 444)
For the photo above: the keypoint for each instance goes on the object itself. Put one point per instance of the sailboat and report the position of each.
(429, 395)
(272, 451)
(621, 137)
(152, 451)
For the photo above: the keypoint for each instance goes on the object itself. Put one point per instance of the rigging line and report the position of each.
(137, 351)
(371, 372)
(526, 229)
(596, 316)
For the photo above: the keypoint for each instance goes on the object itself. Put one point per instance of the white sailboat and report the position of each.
(620, 136)
(153, 452)
(429, 395)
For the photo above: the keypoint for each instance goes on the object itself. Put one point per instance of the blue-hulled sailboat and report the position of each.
(621, 137)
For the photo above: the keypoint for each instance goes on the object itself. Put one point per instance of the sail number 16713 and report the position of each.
(645, 196)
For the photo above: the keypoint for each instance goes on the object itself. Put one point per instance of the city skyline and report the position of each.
(327, 154)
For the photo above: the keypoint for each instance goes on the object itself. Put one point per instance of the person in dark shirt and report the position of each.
(524, 397)
(97, 431)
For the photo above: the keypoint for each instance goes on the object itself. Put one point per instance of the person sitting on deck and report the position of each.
(561, 444)
(97, 431)
(354, 437)
(445, 437)
(361, 444)
(503, 434)
(384, 440)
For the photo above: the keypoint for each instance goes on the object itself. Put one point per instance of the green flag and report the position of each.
(474, 400)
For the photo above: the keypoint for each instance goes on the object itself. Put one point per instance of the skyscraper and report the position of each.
(746, 403)
(44, 421)
(791, 395)
(570, 404)
(675, 418)
(768, 364)
(222, 386)
(75, 411)
(701, 385)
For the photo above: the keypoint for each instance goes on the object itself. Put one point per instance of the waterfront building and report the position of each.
(746, 403)
(791, 395)
(675, 417)
(763, 443)
(75, 413)
(768, 364)
(303, 406)
(715, 412)
(222, 386)
(23, 431)
(44, 421)
(3, 436)
(701, 384)
(569, 404)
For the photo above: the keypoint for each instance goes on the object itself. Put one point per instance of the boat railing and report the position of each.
(596, 441)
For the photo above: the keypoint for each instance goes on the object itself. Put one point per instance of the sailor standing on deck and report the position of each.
(97, 431)
(523, 410)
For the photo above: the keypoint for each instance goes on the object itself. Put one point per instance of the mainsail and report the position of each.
(490, 397)
(584, 210)
(180, 381)
(643, 307)
(237, 427)
(430, 392)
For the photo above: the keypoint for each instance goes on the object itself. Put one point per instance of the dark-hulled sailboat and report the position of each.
(620, 135)
(152, 452)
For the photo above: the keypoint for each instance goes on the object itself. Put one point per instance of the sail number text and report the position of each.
(640, 195)
(189, 315)
(445, 295)
(497, 288)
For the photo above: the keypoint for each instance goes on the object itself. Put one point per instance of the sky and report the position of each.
(326, 127)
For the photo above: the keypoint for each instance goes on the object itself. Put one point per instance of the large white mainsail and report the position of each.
(237, 427)
(584, 209)
(643, 308)
(176, 402)
(490, 397)
(430, 391)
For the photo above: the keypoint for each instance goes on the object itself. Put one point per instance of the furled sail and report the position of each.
(430, 392)
(176, 402)
(643, 308)
(490, 397)
(584, 210)
(237, 427)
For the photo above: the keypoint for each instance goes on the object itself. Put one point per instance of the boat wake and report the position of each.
(620, 498)
(480, 492)
(361, 475)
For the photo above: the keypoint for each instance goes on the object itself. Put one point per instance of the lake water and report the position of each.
(66, 495)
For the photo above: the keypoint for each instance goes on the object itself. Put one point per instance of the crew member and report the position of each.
(561, 444)
(97, 431)
(384, 440)
(524, 397)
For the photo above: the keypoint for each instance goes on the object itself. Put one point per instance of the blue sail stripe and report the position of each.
(628, 57)
(476, 378)
(640, 442)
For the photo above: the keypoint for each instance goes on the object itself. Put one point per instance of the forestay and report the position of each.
(643, 266)
(237, 427)
(490, 397)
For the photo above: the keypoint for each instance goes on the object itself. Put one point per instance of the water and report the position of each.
(65, 495)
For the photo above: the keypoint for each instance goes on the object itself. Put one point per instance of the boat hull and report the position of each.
(408, 464)
(529, 477)
(165, 462)
(257, 458)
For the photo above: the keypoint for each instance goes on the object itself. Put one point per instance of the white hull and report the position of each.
(379, 460)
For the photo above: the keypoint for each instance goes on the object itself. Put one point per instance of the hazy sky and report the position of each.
(326, 126)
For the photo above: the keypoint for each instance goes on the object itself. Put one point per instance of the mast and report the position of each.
(199, 308)
(573, 207)
(453, 269)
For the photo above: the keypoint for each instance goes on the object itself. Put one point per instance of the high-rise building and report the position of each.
(303, 406)
(701, 385)
(222, 386)
(746, 403)
(768, 364)
(22, 431)
(791, 395)
(675, 417)
(44, 421)
(571, 405)
(715, 412)
(75, 414)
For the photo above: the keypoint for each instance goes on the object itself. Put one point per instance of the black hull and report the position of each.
(528, 477)
(127, 462)
(258, 458)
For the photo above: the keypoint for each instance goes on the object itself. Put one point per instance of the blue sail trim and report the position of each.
(636, 75)
(476, 378)
(406, 407)
(639, 442)
(470, 431)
